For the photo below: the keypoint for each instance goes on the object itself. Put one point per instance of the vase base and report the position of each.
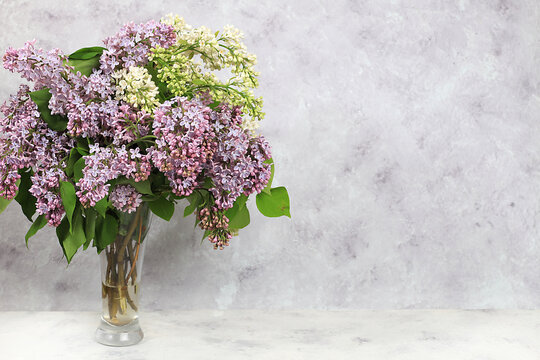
(111, 335)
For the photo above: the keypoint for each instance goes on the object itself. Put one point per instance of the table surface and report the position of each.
(260, 334)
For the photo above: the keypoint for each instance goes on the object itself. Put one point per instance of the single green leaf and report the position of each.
(24, 198)
(41, 98)
(82, 146)
(162, 87)
(74, 155)
(239, 218)
(141, 186)
(269, 184)
(71, 241)
(162, 208)
(62, 232)
(106, 233)
(86, 59)
(198, 82)
(40, 222)
(69, 200)
(4, 203)
(274, 205)
(205, 235)
(195, 199)
(76, 237)
(89, 226)
(101, 206)
(87, 53)
(78, 169)
(86, 66)
(238, 214)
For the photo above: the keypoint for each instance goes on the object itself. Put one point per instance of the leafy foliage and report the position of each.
(274, 204)
(24, 198)
(40, 222)
(162, 208)
(41, 98)
(86, 59)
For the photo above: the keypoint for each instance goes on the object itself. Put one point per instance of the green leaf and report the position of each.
(4, 203)
(142, 186)
(62, 232)
(74, 155)
(89, 226)
(24, 198)
(238, 214)
(82, 146)
(69, 200)
(106, 233)
(274, 205)
(41, 98)
(78, 169)
(101, 206)
(40, 222)
(72, 240)
(198, 82)
(162, 208)
(86, 66)
(86, 59)
(87, 53)
(239, 219)
(195, 199)
(162, 87)
(205, 235)
(269, 185)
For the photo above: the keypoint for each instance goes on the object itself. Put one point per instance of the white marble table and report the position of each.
(307, 334)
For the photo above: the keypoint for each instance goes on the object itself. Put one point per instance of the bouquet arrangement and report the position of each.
(162, 112)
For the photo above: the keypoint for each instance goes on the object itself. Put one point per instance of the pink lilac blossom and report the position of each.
(131, 45)
(105, 164)
(27, 142)
(45, 185)
(184, 142)
(213, 220)
(125, 198)
(128, 125)
(237, 166)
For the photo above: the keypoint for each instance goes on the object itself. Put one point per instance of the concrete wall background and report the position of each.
(407, 133)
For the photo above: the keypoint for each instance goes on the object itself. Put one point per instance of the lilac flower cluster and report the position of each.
(105, 164)
(213, 220)
(131, 45)
(237, 166)
(195, 142)
(125, 198)
(128, 125)
(27, 142)
(45, 185)
(185, 142)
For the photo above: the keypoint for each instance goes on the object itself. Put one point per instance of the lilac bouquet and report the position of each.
(162, 112)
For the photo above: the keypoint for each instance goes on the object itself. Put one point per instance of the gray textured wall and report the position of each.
(407, 133)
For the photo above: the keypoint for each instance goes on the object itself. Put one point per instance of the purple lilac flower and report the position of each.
(131, 45)
(213, 220)
(185, 141)
(125, 198)
(105, 164)
(27, 142)
(45, 186)
(237, 166)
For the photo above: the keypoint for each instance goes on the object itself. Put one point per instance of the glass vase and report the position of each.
(121, 269)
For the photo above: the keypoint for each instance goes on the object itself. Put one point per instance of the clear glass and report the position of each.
(121, 265)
